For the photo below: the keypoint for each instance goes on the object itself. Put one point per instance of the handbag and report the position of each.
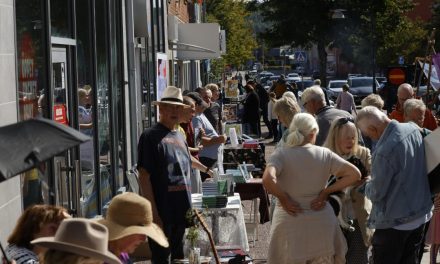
(432, 155)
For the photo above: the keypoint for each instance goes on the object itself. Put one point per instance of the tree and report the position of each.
(232, 16)
(300, 23)
(379, 25)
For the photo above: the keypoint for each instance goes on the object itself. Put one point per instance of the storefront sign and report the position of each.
(27, 79)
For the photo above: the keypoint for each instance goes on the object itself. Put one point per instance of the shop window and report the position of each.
(60, 18)
(86, 106)
(32, 81)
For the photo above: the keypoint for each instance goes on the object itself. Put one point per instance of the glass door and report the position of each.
(66, 165)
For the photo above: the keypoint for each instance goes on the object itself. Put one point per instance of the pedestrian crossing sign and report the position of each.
(300, 56)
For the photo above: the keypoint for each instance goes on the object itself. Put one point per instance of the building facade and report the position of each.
(96, 66)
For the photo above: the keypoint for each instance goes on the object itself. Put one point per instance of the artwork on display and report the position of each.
(237, 127)
(230, 113)
(161, 76)
(231, 89)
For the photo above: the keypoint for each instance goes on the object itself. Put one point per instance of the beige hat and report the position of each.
(172, 95)
(129, 214)
(82, 237)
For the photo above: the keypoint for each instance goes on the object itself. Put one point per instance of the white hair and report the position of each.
(370, 115)
(412, 104)
(302, 125)
(286, 107)
(313, 93)
(290, 95)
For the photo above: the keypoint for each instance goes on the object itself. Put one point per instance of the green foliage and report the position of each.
(193, 231)
(381, 24)
(435, 22)
(233, 17)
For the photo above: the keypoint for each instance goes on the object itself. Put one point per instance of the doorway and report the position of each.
(66, 165)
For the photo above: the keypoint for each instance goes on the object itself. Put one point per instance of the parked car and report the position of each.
(361, 87)
(334, 88)
(293, 77)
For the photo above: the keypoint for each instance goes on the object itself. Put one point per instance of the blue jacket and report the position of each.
(398, 187)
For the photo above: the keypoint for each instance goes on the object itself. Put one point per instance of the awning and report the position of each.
(198, 41)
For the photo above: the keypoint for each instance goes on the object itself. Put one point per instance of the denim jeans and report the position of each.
(392, 246)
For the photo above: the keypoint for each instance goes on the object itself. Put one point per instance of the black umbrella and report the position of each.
(26, 144)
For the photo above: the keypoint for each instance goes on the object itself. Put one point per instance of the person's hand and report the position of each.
(211, 173)
(199, 147)
(319, 202)
(362, 181)
(289, 205)
(223, 138)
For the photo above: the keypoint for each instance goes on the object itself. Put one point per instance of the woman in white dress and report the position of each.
(304, 227)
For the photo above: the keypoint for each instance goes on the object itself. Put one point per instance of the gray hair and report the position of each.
(412, 104)
(313, 93)
(373, 100)
(212, 87)
(286, 107)
(371, 115)
(302, 125)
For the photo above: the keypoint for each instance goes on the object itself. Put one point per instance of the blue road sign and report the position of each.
(300, 56)
(401, 60)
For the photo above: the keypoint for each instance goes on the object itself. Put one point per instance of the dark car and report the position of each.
(361, 87)
(304, 84)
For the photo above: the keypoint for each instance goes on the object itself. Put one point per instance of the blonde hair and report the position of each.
(412, 104)
(373, 100)
(286, 107)
(302, 125)
(313, 93)
(290, 95)
(53, 256)
(334, 132)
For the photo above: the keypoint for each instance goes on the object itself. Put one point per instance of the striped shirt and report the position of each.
(21, 255)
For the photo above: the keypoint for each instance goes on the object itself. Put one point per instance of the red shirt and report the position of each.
(429, 123)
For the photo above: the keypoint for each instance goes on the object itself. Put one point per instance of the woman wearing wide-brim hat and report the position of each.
(129, 220)
(77, 241)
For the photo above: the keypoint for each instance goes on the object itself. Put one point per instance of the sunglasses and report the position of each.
(344, 120)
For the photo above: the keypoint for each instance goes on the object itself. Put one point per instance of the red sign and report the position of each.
(396, 76)
(59, 114)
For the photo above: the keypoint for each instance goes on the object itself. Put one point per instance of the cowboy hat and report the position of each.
(129, 214)
(171, 95)
(81, 237)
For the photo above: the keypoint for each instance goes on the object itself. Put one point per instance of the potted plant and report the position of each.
(193, 236)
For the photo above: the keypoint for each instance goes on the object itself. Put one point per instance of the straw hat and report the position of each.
(129, 214)
(82, 237)
(171, 95)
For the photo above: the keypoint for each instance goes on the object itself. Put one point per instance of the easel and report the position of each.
(430, 51)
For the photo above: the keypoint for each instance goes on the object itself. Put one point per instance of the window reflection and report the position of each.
(60, 18)
(86, 109)
(31, 61)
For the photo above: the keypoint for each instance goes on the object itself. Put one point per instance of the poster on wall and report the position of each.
(161, 74)
(231, 89)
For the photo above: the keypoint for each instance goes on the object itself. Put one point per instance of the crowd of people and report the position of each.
(369, 167)
(348, 186)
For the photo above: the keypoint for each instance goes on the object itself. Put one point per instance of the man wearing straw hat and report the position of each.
(164, 174)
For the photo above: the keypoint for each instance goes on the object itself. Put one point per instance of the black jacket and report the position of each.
(251, 111)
